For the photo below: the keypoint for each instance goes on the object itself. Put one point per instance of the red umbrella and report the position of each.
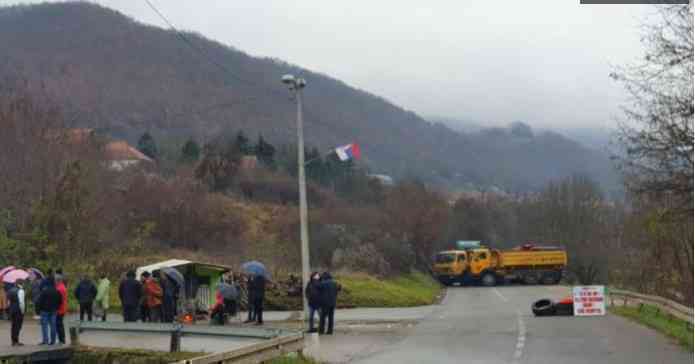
(15, 275)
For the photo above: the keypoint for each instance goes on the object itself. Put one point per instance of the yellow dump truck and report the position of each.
(529, 264)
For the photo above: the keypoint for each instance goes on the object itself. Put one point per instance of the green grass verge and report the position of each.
(293, 359)
(649, 316)
(415, 289)
(362, 290)
(91, 355)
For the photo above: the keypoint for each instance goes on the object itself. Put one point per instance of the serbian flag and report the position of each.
(347, 152)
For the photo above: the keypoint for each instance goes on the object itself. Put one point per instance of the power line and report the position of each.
(203, 52)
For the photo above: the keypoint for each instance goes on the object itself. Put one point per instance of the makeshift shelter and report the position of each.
(200, 279)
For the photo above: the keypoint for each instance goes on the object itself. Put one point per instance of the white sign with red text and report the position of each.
(589, 300)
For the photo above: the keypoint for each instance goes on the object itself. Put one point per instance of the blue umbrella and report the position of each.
(174, 275)
(228, 291)
(256, 268)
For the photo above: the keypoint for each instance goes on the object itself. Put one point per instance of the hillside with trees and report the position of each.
(231, 195)
(125, 78)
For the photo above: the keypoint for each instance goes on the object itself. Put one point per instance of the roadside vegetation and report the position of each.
(650, 316)
(92, 355)
(233, 199)
(293, 359)
(364, 290)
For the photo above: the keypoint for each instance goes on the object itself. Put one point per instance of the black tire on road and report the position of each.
(488, 279)
(445, 281)
(543, 307)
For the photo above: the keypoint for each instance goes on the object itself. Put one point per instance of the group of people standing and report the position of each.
(49, 296)
(322, 294)
(153, 298)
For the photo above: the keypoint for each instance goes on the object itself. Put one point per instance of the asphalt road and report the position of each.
(496, 326)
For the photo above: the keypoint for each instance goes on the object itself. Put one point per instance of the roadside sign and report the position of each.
(589, 300)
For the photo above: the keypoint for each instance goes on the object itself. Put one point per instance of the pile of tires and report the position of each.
(548, 307)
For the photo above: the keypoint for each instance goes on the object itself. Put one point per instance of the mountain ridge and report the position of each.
(125, 77)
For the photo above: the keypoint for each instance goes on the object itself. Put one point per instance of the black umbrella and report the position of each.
(228, 291)
(174, 275)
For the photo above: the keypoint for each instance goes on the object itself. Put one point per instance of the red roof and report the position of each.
(119, 150)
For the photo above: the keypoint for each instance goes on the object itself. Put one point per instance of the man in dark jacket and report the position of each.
(170, 293)
(257, 292)
(250, 299)
(85, 293)
(328, 289)
(130, 293)
(49, 302)
(47, 280)
(313, 296)
(17, 308)
(35, 294)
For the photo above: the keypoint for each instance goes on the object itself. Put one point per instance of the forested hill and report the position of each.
(125, 78)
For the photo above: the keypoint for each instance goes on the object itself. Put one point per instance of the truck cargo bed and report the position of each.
(533, 258)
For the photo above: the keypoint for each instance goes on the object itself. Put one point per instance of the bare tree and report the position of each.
(658, 130)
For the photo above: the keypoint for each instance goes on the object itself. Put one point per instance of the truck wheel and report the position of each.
(550, 278)
(530, 279)
(488, 279)
(543, 307)
(445, 281)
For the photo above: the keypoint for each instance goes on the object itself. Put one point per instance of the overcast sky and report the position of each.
(545, 62)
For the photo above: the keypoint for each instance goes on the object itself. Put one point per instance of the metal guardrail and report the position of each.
(177, 331)
(673, 308)
(255, 353)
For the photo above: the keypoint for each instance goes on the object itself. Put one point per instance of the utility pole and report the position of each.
(296, 85)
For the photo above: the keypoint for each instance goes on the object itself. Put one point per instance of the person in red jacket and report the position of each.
(217, 310)
(153, 297)
(62, 309)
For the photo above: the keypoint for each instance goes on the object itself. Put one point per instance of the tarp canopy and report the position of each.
(198, 267)
(196, 275)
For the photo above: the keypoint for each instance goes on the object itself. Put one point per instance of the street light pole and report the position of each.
(296, 85)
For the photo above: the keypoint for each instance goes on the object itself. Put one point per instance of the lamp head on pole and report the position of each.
(288, 79)
(293, 82)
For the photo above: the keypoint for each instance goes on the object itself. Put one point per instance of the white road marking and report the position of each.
(521, 338)
(500, 295)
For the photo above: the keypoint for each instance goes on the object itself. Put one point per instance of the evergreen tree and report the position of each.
(190, 152)
(242, 143)
(314, 166)
(265, 152)
(219, 165)
(148, 146)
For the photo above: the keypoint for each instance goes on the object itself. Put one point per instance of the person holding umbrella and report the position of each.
(169, 297)
(257, 290)
(258, 276)
(250, 298)
(16, 296)
(229, 294)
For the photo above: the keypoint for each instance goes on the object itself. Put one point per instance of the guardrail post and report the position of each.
(74, 336)
(175, 344)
